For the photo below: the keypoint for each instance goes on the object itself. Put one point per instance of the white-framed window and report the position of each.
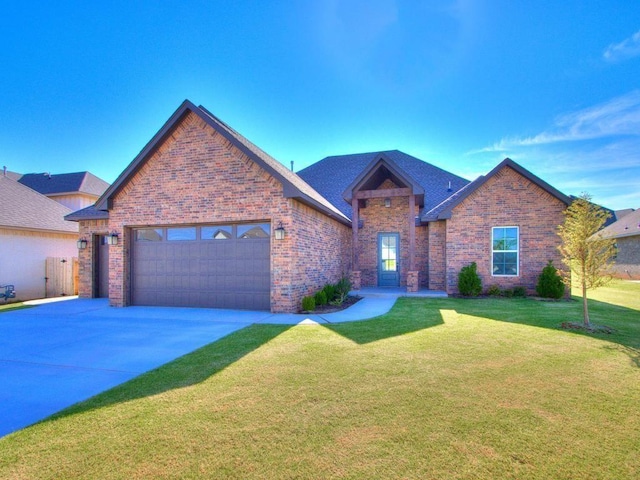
(505, 251)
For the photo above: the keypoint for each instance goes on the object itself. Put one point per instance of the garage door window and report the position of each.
(149, 235)
(180, 234)
(218, 232)
(254, 230)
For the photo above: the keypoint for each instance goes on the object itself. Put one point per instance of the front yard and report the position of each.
(437, 388)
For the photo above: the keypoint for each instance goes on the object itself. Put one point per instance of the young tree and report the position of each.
(585, 253)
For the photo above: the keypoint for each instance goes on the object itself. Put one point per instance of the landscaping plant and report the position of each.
(550, 284)
(585, 253)
(469, 283)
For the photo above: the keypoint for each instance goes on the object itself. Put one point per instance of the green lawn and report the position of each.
(437, 388)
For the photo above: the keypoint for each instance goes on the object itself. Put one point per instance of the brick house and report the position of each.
(626, 231)
(203, 217)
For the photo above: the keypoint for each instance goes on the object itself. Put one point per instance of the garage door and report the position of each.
(213, 266)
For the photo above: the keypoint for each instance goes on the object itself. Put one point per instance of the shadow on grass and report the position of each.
(401, 320)
(409, 315)
(528, 311)
(188, 370)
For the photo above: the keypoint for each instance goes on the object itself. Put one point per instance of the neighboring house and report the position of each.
(626, 231)
(32, 228)
(73, 190)
(203, 217)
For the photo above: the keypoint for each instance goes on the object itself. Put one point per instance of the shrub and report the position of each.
(320, 298)
(330, 291)
(494, 290)
(343, 287)
(550, 284)
(519, 292)
(308, 304)
(469, 283)
(507, 292)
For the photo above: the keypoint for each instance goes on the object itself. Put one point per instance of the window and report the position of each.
(181, 233)
(219, 232)
(256, 230)
(505, 250)
(149, 235)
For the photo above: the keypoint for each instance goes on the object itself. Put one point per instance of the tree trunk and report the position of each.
(585, 307)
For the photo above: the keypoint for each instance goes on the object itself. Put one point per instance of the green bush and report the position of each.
(494, 290)
(469, 283)
(519, 292)
(343, 287)
(308, 304)
(507, 292)
(330, 291)
(550, 284)
(320, 298)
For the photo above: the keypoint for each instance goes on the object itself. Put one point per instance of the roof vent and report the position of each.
(449, 187)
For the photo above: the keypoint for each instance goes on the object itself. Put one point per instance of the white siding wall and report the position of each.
(22, 258)
(75, 201)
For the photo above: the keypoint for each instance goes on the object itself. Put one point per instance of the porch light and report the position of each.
(387, 202)
(279, 232)
(112, 239)
(82, 243)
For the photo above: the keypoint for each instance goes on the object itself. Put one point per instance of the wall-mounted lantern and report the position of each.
(82, 243)
(112, 239)
(279, 232)
(387, 202)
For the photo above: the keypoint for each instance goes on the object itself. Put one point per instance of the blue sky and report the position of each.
(461, 84)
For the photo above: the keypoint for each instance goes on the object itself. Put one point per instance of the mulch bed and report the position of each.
(351, 300)
(587, 328)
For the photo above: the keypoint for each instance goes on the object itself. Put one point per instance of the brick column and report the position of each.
(356, 279)
(413, 281)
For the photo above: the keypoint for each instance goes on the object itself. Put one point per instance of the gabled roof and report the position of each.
(293, 185)
(627, 226)
(331, 176)
(24, 208)
(380, 168)
(443, 210)
(64, 183)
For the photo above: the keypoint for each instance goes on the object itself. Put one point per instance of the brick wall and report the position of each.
(394, 219)
(506, 199)
(89, 229)
(437, 255)
(196, 176)
(627, 263)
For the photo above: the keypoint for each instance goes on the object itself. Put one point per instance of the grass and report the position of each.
(7, 307)
(437, 388)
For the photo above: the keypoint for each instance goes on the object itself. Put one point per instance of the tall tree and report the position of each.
(586, 253)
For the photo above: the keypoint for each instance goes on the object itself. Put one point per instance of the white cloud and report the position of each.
(628, 48)
(595, 149)
(616, 117)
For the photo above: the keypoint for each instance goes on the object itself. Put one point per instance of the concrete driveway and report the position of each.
(57, 354)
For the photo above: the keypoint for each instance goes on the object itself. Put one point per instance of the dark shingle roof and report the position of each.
(79, 182)
(627, 226)
(332, 175)
(443, 209)
(87, 213)
(25, 208)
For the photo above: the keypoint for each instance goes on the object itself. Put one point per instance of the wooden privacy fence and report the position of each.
(61, 276)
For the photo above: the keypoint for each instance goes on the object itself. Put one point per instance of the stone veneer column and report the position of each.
(413, 281)
(356, 279)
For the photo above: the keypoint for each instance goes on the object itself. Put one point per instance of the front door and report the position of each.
(388, 266)
(102, 264)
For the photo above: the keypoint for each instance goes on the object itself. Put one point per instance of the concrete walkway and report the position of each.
(59, 353)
